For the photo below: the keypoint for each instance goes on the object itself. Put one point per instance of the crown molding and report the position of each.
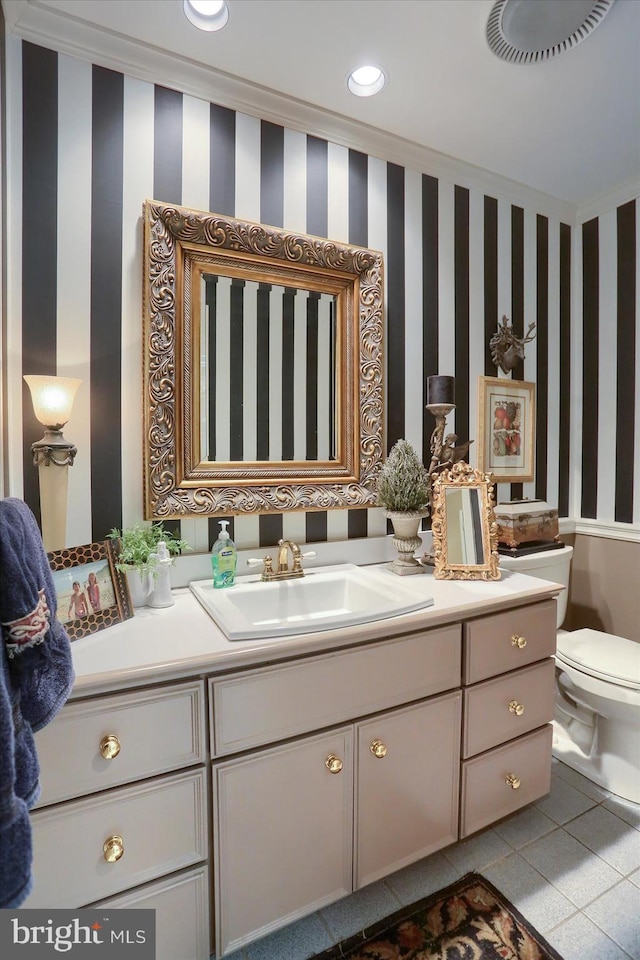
(622, 193)
(74, 37)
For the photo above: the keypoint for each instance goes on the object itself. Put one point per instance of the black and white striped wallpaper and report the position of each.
(87, 145)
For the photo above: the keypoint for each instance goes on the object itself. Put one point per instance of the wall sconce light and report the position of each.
(52, 399)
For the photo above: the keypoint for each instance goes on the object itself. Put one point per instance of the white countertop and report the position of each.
(183, 641)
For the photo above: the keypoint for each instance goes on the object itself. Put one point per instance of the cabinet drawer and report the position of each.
(181, 903)
(271, 704)
(499, 710)
(509, 640)
(487, 796)
(153, 732)
(162, 823)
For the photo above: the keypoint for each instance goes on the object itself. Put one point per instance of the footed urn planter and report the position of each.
(406, 540)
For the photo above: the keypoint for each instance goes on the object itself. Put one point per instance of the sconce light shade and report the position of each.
(53, 455)
(52, 399)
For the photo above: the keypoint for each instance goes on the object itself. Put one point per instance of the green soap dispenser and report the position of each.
(224, 558)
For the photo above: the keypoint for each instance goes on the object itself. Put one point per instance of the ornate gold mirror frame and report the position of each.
(463, 525)
(182, 250)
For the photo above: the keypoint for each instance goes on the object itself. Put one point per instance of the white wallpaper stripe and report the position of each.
(137, 186)
(73, 345)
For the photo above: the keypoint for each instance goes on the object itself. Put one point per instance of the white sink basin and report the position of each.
(324, 599)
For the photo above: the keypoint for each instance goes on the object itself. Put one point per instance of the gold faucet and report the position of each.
(283, 571)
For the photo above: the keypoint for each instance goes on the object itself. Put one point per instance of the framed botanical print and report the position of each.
(506, 429)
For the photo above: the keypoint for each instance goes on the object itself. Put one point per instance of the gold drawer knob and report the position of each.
(110, 746)
(333, 764)
(113, 849)
(378, 749)
(513, 781)
(519, 642)
(516, 708)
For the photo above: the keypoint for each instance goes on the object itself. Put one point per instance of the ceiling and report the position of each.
(569, 127)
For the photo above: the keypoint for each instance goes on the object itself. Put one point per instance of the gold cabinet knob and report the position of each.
(113, 848)
(516, 708)
(513, 781)
(110, 746)
(519, 642)
(378, 749)
(333, 764)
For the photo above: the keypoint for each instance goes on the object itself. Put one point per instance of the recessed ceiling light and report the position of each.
(206, 14)
(365, 81)
(532, 31)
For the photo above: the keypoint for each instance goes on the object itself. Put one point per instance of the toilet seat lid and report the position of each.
(602, 655)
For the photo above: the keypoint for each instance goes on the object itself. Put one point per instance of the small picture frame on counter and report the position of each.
(92, 593)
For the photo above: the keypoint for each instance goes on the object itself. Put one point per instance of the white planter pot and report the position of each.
(140, 587)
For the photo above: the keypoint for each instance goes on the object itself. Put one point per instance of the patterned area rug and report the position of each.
(470, 920)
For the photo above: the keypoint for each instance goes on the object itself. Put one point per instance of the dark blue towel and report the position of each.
(35, 681)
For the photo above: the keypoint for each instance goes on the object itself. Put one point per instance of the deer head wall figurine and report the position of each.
(506, 348)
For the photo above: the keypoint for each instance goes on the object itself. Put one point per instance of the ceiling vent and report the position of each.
(531, 31)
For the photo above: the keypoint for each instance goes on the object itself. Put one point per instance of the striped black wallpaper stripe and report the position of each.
(358, 200)
(167, 153)
(317, 186)
(106, 298)
(167, 169)
(590, 372)
(222, 177)
(271, 174)
(626, 382)
(430, 264)
(39, 238)
(564, 385)
(461, 244)
(517, 302)
(490, 252)
(395, 304)
(457, 229)
(542, 353)
(358, 180)
(262, 371)
(236, 371)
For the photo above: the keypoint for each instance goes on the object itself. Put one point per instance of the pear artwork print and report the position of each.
(506, 428)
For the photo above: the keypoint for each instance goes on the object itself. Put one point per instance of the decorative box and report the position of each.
(526, 521)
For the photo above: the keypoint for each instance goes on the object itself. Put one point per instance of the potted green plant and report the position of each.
(139, 555)
(403, 490)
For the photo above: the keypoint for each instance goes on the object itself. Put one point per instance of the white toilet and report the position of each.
(597, 709)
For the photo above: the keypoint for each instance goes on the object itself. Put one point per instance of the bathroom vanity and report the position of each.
(237, 786)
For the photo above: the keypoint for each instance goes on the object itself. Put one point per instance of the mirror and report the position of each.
(262, 368)
(463, 525)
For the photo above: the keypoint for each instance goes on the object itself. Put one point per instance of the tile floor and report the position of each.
(570, 863)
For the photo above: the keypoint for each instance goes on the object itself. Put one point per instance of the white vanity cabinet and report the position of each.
(508, 672)
(309, 766)
(123, 815)
(301, 823)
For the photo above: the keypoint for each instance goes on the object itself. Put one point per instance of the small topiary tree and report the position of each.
(403, 484)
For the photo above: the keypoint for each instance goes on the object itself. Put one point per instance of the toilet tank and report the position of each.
(551, 565)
